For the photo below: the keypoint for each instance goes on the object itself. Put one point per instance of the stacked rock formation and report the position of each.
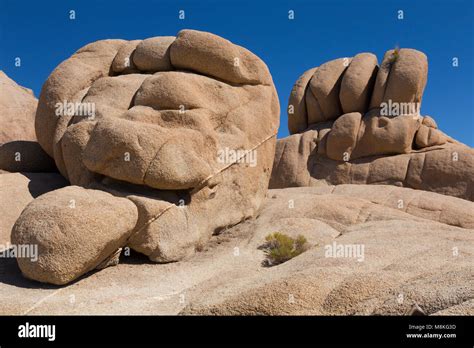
(137, 127)
(355, 122)
(141, 149)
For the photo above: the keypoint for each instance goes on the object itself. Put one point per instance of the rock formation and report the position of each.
(18, 105)
(17, 190)
(355, 122)
(20, 152)
(413, 254)
(167, 141)
(394, 257)
(155, 137)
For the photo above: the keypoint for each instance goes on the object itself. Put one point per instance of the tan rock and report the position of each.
(123, 61)
(326, 85)
(429, 122)
(153, 54)
(73, 143)
(358, 83)
(191, 91)
(403, 76)
(407, 77)
(382, 260)
(75, 229)
(443, 169)
(24, 188)
(448, 210)
(291, 157)
(382, 79)
(429, 136)
(464, 308)
(112, 96)
(390, 144)
(315, 113)
(342, 138)
(206, 134)
(381, 135)
(322, 140)
(297, 109)
(140, 154)
(17, 107)
(214, 56)
(66, 84)
(408, 252)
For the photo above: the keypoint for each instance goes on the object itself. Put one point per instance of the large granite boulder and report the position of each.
(167, 140)
(352, 121)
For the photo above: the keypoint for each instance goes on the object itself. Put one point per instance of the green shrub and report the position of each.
(395, 55)
(280, 248)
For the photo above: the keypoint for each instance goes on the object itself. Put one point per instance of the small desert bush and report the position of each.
(395, 55)
(280, 247)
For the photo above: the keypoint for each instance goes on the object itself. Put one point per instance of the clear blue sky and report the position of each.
(41, 33)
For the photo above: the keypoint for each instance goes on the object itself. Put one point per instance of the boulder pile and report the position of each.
(168, 144)
(139, 129)
(354, 122)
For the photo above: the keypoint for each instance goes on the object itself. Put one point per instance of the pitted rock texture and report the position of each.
(19, 189)
(352, 121)
(147, 121)
(415, 243)
(421, 249)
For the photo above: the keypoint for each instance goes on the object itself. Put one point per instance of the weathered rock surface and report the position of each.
(408, 258)
(297, 106)
(446, 170)
(19, 189)
(402, 77)
(412, 255)
(363, 127)
(358, 82)
(184, 127)
(17, 109)
(325, 85)
(153, 54)
(72, 238)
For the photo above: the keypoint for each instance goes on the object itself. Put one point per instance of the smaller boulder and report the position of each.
(75, 229)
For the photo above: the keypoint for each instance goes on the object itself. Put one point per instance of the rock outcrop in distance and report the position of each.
(18, 105)
(155, 138)
(354, 122)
